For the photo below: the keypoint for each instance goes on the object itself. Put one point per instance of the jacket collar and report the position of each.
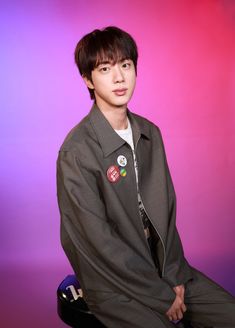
(107, 137)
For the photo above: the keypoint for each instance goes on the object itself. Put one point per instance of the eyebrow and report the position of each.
(104, 62)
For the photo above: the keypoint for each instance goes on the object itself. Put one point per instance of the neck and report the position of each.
(116, 116)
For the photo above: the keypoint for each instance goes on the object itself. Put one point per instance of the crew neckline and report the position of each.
(124, 131)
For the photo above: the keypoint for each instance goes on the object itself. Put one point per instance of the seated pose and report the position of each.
(118, 207)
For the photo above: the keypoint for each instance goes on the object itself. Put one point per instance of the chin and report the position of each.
(121, 103)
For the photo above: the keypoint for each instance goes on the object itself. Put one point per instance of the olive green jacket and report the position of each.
(101, 229)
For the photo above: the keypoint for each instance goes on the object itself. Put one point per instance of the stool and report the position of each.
(73, 310)
(71, 307)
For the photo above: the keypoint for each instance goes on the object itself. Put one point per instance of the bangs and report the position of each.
(110, 46)
(112, 54)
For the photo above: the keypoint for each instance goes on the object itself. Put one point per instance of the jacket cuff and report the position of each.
(180, 276)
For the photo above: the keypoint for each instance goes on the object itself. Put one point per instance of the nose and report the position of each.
(118, 75)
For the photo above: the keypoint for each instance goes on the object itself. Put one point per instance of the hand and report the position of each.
(178, 307)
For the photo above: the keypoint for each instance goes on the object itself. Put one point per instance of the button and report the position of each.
(122, 161)
(123, 172)
(113, 173)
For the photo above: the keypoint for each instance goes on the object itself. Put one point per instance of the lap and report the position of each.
(120, 311)
(208, 303)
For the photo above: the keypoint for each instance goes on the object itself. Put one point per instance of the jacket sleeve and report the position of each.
(98, 255)
(177, 269)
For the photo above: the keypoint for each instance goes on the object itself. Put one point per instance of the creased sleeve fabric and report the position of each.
(177, 269)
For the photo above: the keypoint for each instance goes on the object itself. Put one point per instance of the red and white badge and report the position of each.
(113, 173)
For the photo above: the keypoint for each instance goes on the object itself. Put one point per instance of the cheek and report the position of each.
(102, 87)
(133, 80)
(98, 84)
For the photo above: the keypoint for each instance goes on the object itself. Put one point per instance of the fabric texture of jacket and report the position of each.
(101, 229)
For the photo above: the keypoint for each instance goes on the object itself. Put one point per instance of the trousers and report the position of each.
(208, 305)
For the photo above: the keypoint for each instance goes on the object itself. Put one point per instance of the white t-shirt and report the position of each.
(127, 135)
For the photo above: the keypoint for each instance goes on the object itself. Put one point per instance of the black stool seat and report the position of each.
(71, 307)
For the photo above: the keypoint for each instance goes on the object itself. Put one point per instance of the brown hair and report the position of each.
(109, 44)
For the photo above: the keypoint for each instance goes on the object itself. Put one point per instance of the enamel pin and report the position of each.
(122, 161)
(123, 172)
(113, 173)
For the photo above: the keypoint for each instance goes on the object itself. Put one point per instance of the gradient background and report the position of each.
(186, 85)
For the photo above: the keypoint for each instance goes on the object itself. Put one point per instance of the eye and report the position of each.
(126, 64)
(104, 69)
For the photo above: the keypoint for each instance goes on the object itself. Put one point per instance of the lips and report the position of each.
(120, 92)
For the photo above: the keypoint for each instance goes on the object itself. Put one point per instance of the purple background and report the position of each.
(186, 85)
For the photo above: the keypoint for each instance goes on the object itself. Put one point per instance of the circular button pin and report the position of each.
(122, 161)
(123, 172)
(113, 173)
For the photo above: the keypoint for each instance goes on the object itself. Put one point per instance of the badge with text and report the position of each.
(113, 173)
(122, 161)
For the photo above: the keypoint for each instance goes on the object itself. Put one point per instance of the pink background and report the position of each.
(186, 85)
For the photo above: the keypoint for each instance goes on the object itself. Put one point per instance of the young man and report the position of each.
(117, 205)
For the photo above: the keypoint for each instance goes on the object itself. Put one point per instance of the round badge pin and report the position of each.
(113, 173)
(123, 172)
(122, 161)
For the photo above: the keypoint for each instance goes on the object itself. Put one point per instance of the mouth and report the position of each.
(120, 92)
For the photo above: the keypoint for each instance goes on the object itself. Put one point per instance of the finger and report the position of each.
(183, 307)
(170, 318)
(179, 314)
(170, 314)
(174, 315)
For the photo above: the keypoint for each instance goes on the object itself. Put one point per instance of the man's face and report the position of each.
(113, 84)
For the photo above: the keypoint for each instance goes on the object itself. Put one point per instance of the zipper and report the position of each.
(164, 248)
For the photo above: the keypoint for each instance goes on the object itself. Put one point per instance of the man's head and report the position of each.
(109, 45)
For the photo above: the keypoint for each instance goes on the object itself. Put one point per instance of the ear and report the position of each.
(88, 82)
